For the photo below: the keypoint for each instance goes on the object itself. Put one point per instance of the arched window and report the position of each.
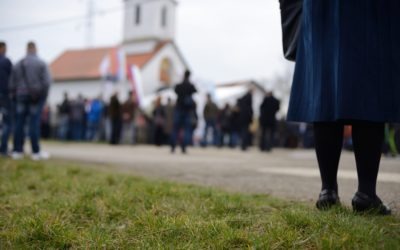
(138, 14)
(166, 72)
(164, 16)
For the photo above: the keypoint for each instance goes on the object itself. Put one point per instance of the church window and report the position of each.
(164, 17)
(137, 14)
(166, 72)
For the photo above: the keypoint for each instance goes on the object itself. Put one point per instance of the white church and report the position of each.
(147, 61)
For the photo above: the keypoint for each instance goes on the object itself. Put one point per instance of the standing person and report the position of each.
(246, 117)
(128, 117)
(5, 101)
(77, 117)
(234, 126)
(210, 115)
(169, 119)
(64, 111)
(183, 115)
(159, 120)
(268, 109)
(45, 127)
(115, 114)
(30, 85)
(94, 119)
(224, 124)
(347, 73)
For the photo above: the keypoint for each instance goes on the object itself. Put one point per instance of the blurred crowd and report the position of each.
(232, 126)
(167, 122)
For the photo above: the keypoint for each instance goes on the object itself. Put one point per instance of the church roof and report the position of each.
(86, 64)
(141, 60)
(81, 64)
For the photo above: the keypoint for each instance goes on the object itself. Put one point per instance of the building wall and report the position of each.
(88, 89)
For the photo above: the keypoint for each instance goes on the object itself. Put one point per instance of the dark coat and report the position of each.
(246, 109)
(348, 62)
(268, 109)
(184, 92)
(115, 109)
(5, 73)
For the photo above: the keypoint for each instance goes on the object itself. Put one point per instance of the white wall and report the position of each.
(88, 89)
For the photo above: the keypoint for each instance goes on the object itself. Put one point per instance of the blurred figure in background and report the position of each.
(169, 119)
(183, 115)
(5, 100)
(128, 118)
(268, 109)
(210, 115)
(115, 114)
(94, 119)
(45, 127)
(30, 85)
(64, 111)
(235, 126)
(77, 118)
(224, 125)
(159, 121)
(246, 117)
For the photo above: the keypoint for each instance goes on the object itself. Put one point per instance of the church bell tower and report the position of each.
(149, 20)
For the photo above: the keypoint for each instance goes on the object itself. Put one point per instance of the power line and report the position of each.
(65, 20)
(59, 21)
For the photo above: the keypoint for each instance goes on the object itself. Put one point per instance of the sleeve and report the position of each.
(46, 77)
(194, 90)
(9, 67)
(12, 85)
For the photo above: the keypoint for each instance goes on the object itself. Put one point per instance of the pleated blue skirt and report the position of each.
(348, 62)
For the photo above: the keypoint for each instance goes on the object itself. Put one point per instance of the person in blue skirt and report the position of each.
(348, 73)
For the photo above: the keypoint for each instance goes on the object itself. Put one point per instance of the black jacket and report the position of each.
(184, 91)
(268, 110)
(5, 73)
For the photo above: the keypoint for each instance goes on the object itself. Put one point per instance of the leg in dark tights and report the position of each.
(328, 146)
(367, 140)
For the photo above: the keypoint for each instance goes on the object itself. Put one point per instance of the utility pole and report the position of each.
(90, 23)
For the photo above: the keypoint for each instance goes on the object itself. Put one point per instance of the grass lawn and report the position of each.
(62, 205)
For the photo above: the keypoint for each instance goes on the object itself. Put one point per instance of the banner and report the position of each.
(135, 79)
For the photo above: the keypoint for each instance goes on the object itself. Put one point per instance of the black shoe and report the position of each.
(364, 203)
(327, 199)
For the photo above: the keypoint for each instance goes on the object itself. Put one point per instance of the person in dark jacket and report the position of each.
(115, 114)
(234, 126)
(129, 109)
(224, 124)
(210, 114)
(268, 109)
(159, 122)
(30, 84)
(246, 117)
(77, 117)
(184, 114)
(5, 101)
(347, 73)
(64, 111)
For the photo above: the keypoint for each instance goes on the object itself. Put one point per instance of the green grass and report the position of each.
(57, 205)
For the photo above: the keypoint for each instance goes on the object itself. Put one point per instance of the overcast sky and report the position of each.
(222, 40)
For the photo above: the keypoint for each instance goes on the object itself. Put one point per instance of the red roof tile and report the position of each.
(85, 64)
(79, 64)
